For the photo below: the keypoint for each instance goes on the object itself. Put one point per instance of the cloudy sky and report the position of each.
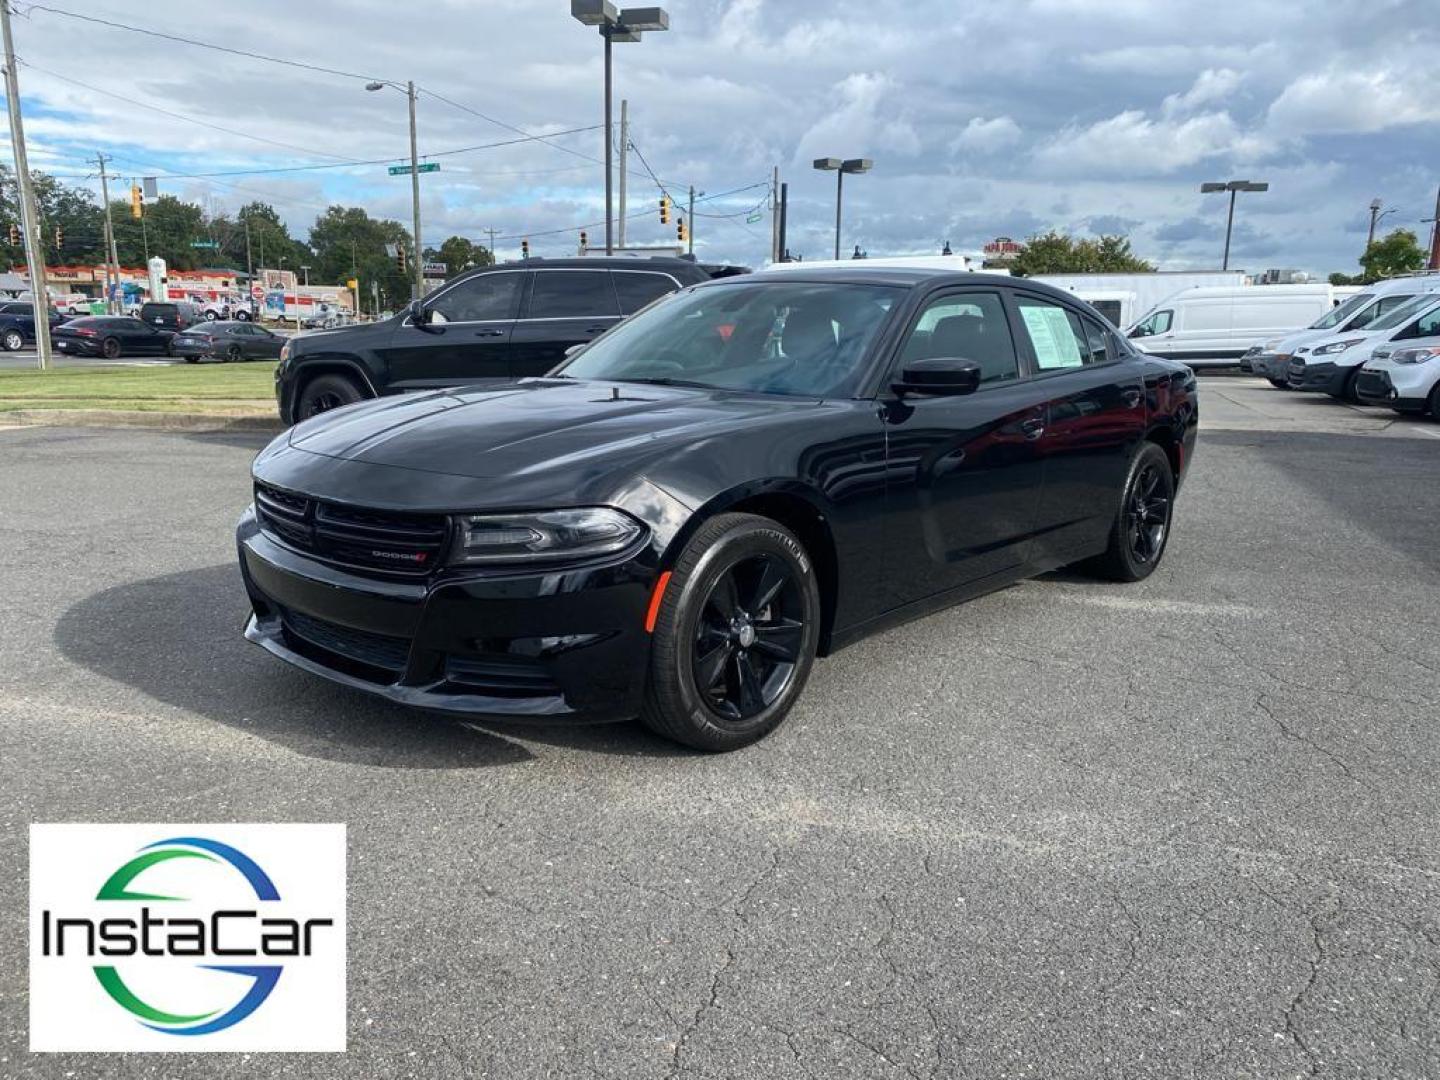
(983, 119)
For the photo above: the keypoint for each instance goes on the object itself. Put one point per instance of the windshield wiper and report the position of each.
(665, 380)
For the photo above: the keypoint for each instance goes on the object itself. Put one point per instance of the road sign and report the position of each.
(434, 269)
(404, 170)
(753, 218)
(204, 244)
(257, 292)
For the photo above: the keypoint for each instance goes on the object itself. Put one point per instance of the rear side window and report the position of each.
(482, 298)
(1056, 334)
(1378, 310)
(1098, 343)
(636, 289)
(572, 294)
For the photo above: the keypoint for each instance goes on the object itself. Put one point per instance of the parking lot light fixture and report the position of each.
(1232, 186)
(840, 167)
(615, 26)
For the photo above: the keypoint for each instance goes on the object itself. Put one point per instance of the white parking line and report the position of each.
(1427, 431)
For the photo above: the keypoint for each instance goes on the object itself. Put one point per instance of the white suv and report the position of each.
(1332, 365)
(1404, 372)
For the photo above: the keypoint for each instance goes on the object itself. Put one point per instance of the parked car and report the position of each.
(742, 477)
(1332, 365)
(1271, 359)
(1217, 325)
(1404, 372)
(173, 315)
(492, 323)
(227, 341)
(111, 336)
(17, 324)
(225, 310)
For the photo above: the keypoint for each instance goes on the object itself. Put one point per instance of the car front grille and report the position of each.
(372, 539)
(1374, 383)
(500, 674)
(379, 651)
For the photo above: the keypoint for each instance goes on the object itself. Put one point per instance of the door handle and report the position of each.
(1033, 428)
(1131, 397)
(596, 329)
(490, 332)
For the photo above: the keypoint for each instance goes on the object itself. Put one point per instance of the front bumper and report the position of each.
(1403, 388)
(1323, 377)
(567, 645)
(1271, 365)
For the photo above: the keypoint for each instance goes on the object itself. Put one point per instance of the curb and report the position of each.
(154, 421)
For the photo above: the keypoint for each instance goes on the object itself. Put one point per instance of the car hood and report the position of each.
(540, 425)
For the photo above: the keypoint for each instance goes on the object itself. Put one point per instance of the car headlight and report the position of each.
(1337, 347)
(544, 535)
(285, 352)
(1416, 355)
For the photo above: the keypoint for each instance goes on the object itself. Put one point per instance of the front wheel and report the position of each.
(326, 392)
(1435, 404)
(111, 348)
(1142, 523)
(234, 354)
(211, 316)
(735, 635)
(1280, 384)
(242, 316)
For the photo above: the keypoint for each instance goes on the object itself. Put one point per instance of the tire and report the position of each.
(723, 612)
(234, 354)
(1124, 559)
(1347, 389)
(326, 392)
(211, 316)
(1280, 384)
(1435, 404)
(110, 347)
(13, 341)
(242, 316)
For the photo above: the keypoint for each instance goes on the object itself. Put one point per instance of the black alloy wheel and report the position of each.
(326, 392)
(735, 634)
(234, 353)
(111, 348)
(1141, 528)
(747, 638)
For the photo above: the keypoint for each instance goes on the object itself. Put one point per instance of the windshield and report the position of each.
(1338, 314)
(1402, 314)
(799, 338)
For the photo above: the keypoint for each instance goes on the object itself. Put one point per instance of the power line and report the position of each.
(510, 127)
(202, 44)
(628, 217)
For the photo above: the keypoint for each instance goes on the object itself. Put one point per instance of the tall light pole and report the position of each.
(1377, 215)
(409, 91)
(840, 168)
(615, 26)
(1232, 186)
(29, 218)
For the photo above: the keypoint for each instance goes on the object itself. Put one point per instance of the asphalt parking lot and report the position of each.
(1072, 829)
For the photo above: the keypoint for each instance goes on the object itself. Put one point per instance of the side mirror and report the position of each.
(1135, 332)
(946, 376)
(573, 349)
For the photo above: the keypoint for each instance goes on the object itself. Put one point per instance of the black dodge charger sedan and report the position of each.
(744, 476)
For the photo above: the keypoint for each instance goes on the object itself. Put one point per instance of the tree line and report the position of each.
(344, 241)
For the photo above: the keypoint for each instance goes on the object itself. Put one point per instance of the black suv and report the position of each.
(17, 324)
(496, 322)
(171, 315)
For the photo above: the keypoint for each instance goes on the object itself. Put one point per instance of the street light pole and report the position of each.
(615, 26)
(410, 95)
(1232, 186)
(840, 168)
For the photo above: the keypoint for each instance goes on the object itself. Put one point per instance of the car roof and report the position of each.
(902, 276)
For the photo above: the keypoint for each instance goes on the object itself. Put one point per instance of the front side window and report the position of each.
(636, 288)
(1157, 322)
(1340, 312)
(968, 326)
(1056, 334)
(572, 294)
(1401, 313)
(1372, 315)
(797, 338)
(1428, 325)
(482, 298)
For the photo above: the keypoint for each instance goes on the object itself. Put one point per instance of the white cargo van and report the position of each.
(1122, 298)
(1215, 326)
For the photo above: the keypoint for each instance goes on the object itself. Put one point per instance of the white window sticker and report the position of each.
(1050, 333)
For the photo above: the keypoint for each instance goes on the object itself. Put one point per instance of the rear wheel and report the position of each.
(13, 341)
(111, 348)
(234, 353)
(735, 636)
(1142, 523)
(1280, 384)
(211, 316)
(326, 392)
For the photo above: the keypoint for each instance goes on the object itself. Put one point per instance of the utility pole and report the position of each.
(784, 208)
(1375, 206)
(29, 218)
(491, 233)
(775, 214)
(624, 160)
(415, 195)
(1435, 235)
(690, 224)
(113, 263)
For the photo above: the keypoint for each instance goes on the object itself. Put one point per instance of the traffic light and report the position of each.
(584, 240)
(664, 209)
(680, 232)
(59, 237)
(14, 235)
(137, 201)
(524, 249)
(400, 257)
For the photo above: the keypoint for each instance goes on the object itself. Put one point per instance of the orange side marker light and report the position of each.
(655, 598)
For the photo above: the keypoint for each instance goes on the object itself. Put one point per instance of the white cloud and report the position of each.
(982, 136)
(863, 121)
(1211, 86)
(1131, 143)
(1338, 101)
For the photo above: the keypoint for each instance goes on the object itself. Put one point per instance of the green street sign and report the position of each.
(404, 170)
(753, 218)
(204, 244)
